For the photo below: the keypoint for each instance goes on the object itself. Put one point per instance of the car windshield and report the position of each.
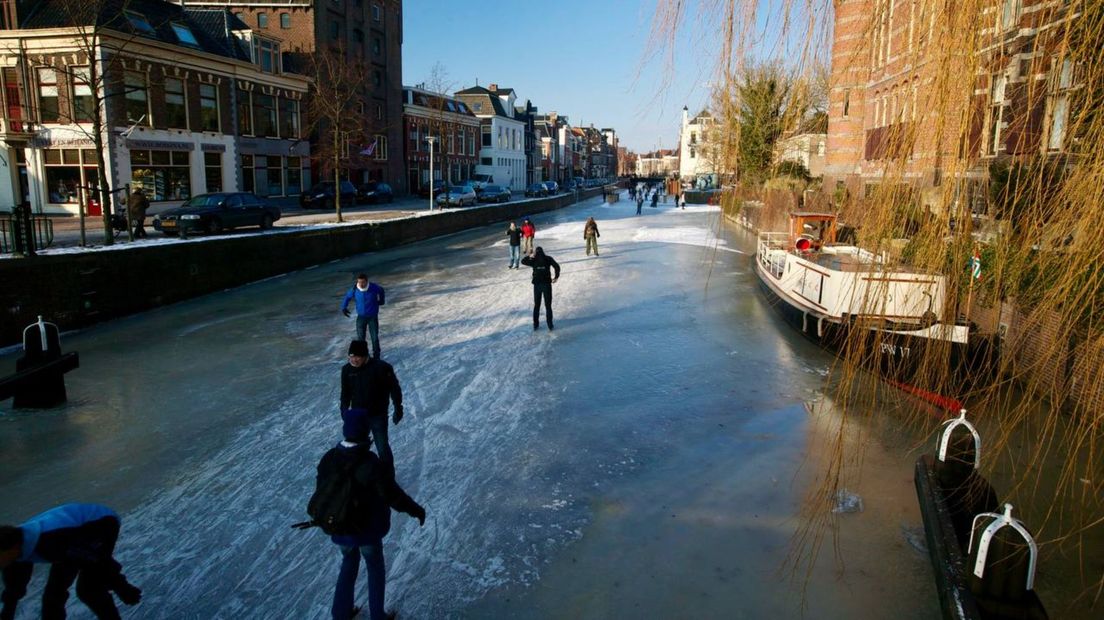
(483, 178)
(205, 200)
(458, 189)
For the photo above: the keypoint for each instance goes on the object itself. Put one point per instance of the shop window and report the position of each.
(212, 168)
(136, 98)
(164, 175)
(176, 108)
(293, 184)
(83, 105)
(208, 107)
(264, 115)
(247, 173)
(48, 111)
(289, 118)
(245, 113)
(69, 172)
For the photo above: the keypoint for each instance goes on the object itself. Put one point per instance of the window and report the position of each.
(176, 109)
(137, 98)
(266, 54)
(289, 118)
(1059, 103)
(245, 113)
(48, 111)
(485, 161)
(996, 111)
(275, 186)
(184, 35)
(68, 173)
(285, 20)
(208, 107)
(379, 112)
(294, 181)
(487, 140)
(83, 105)
(377, 46)
(477, 106)
(264, 115)
(335, 30)
(471, 144)
(139, 22)
(212, 166)
(247, 173)
(381, 148)
(460, 141)
(262, 20)
(164, 175)
(1010, 14)
(377, 77)
(377, 13)
(415, 143)
(847, 102)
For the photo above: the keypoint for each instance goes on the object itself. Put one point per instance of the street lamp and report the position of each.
(431, 140)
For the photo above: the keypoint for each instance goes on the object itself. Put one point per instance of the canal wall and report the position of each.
(79, 289)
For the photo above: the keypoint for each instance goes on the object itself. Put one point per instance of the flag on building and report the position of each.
(975, 265)
(369, 150)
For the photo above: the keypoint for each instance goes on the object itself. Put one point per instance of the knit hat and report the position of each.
(354, 425)
(358, 347)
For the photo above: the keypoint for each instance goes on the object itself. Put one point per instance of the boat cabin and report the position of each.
(811, 231)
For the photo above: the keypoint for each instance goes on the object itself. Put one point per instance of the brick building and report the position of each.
(369, 31)
(455, 130)
(189, 106)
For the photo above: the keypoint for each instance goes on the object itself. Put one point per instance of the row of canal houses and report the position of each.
(197, 96)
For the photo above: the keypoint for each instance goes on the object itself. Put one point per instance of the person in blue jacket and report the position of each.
(368, 297)
(78, 541)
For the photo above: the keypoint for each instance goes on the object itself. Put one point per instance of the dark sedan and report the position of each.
(495, 193)
(536, 190)
(321, 196)
(214, 213)
(374, 193)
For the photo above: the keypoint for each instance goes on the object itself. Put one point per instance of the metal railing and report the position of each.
(22, 233)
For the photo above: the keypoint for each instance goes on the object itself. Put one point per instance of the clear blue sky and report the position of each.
(583, 58)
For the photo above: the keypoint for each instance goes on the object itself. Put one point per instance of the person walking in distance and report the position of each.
(366, 386)
(368, 296)
(655, 198)
(137, 205)
(682, 201)
(375, 494)
(543, 266)
(514, 233)
(639, 202)
(77, 541)
(528, 231)
(590, 235)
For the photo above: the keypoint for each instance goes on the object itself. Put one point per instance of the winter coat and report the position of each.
(368, 387)
(515, 236)
(367, 302)
(78, 535)
(528, 230)
(137, 205)
(591, 230)
(375, 489)
(542, 265)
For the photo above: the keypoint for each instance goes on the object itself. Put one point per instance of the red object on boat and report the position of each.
(803, 244)
(943, 402)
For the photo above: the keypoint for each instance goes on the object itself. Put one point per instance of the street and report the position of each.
(649, 458)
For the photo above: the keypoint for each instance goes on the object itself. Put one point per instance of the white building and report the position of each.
(695, 150)
(806, 149)
(502, 139)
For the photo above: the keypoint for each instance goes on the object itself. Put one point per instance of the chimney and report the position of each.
(493, 87)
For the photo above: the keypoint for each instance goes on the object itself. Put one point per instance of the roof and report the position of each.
(478, 94)
(208, 26)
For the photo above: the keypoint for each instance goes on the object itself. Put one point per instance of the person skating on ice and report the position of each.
(514, 233)
(590, 235)
(528, 231)
(543, 268)
(368, 296)
(366, 386)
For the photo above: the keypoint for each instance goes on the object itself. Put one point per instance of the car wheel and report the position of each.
(266, 222)
(214, 227)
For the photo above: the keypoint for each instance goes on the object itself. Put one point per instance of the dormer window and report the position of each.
(139, 22)
(184, 35)
(266, 54)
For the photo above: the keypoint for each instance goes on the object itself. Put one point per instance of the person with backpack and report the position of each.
(514, 233)
(590, 235)
(354, 495)
(77, 541)
(366, 385)
(528, 231)
(369, 296)
(542, 265)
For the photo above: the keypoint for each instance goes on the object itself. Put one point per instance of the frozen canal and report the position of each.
(647, 459)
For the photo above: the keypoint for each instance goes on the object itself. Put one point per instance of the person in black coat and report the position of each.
(77, 541)
(514, 233)
(543, 266)
(376, 494)
(366, 385)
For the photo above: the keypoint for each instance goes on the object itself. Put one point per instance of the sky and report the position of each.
(586, 59)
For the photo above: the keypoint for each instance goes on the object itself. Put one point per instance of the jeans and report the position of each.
(592, 244)
(515, 256)
(542, 290)
(346, 580)
(378, 426)
(639, 203)
(372, 324)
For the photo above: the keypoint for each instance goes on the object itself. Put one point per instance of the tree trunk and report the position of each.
(98, 106)
(337, 175)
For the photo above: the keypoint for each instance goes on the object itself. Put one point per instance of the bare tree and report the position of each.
(440, 84)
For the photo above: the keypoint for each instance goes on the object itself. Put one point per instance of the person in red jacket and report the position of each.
(527, 233)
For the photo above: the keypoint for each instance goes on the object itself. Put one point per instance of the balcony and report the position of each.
(16, 129)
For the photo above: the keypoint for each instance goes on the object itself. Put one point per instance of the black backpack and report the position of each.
(333, 507)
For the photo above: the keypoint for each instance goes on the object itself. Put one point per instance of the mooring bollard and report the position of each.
(39, 379)
(1002, 558)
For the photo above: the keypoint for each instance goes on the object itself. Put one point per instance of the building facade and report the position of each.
(186, 104)
(807, 149)
(502, 134)
(455, 131)
(695, 151)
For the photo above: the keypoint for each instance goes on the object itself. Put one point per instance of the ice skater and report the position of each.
(590, 235)
(655, 198)
(682, 201)
(639, 202)
(369, 296)
(366, 385)
(77, 541)
(543, 266)
(528, 231)
(514, 233)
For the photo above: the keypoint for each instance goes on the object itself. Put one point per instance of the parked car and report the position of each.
(495, 193)
(457, 196)
(479, 181)
(552, 187)
(536, 190)
(214, 213)
(321, 196)
(375, 192)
